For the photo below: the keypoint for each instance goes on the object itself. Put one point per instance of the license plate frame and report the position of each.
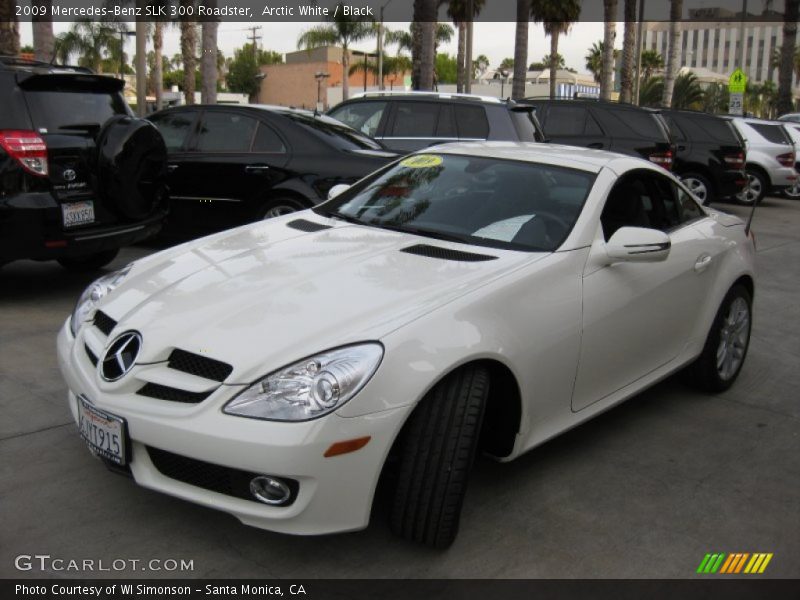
(104, 433)
(75, 214)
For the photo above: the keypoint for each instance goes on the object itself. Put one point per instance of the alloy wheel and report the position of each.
(279, 210)
(753, 190)
(698, 188)
(734, 336)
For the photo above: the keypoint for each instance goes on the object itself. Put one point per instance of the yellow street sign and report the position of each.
(737, 82)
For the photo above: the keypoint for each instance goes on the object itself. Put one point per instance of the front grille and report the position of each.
(216, 478)
(92, 356)
(103, 322)
(202, 366)
(308, 226)
(446, 253)
(163, 392)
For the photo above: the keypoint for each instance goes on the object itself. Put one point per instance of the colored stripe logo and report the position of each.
(734, 563)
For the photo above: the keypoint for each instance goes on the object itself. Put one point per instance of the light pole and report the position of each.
(259, 78)
(320, 76)
(122, 33)
(380, 48)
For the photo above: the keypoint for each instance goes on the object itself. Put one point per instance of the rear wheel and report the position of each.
(699, 186)
(725, 349)
(88, 262)
(437, 453)
(756, 188)
(281, 206)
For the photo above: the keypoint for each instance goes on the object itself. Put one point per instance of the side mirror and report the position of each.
(337, 189)
(638, 244)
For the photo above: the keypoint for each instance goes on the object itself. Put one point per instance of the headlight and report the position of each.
(92, 295)
(311, 387)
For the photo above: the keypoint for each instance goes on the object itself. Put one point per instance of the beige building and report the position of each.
(715, 44)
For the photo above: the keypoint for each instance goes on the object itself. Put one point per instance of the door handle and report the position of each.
(255, 168)
(595, 145)
(681, 148)
(171, 168)
(702, 263)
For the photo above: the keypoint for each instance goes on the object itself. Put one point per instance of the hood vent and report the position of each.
(446, 253)
(103, 322)
(198, 365)
(308, 226)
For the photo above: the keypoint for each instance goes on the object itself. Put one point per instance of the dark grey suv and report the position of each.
(409, 121)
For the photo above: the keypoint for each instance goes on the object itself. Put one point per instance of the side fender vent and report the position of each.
(308, 226)
(446, 253)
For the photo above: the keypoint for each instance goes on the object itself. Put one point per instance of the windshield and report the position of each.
(469, 199)
(70, 110)
(339, 135)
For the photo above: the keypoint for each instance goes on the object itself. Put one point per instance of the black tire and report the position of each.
(280, 206)
(89, 262)
(437, 453)
(757, 188)
(705, 373)
(700, 186)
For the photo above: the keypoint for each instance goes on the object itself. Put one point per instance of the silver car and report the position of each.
(793, 129)
(770, 158)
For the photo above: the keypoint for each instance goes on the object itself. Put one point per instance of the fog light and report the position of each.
(270, 490)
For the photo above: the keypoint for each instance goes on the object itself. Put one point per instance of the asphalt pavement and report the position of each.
(645, 490)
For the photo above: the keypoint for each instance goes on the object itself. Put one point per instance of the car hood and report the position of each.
(263, 295)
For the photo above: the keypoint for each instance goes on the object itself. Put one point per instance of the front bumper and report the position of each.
(334, 494)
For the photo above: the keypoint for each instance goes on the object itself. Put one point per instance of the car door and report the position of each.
(234, 159)
(638, 316)
(573, 125)
(177, 127)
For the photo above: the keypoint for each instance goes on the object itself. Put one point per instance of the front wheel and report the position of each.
(725, 349)
(437, 453)
(756, 188)
(279, 207)
(88, 262)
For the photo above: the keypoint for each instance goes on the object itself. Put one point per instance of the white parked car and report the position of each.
(770, 158)
(477, 297)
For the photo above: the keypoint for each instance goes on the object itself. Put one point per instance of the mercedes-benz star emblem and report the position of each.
(69, 175)
(121, 356)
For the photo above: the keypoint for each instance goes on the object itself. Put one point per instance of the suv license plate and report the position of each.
(78, 213)
(103, 432)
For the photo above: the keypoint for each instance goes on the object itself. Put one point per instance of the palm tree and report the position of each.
(687, 92)
(675, 13)
(556, 16)
(715, 99)
(651, 61)
(628, 52)
(594, 60)
(158, 63)
(208, 61)
(188, 51)
(340, 31)
(9, 28)
(458, 11)
(651, 91)
(443, 35)
(479, 65)
(791, 14)
(423, 33)
(521, 49)
(609, 33)
(44, 41)
(93, 42)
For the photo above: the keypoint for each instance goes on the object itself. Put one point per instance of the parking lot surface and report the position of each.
(645, 490)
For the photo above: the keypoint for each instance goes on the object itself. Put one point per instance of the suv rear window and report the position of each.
(65, 110)
(771, 133)
(471, 121)
(635, 123)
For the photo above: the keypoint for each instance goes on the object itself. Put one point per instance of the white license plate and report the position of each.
(103, 432)
(78, 213)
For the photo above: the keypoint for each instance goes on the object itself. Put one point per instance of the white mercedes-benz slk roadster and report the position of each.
(477, 297)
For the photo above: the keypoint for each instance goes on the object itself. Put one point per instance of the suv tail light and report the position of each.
(28, 148)
(787, 160)
(662, 159)
(735, 161)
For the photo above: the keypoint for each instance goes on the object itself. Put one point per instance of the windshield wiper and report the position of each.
(337, 215)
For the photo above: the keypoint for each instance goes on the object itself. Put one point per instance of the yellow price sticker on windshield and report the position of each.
(421, 161)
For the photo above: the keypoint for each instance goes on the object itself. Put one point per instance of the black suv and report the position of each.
(409, 121)
(79, 176)
(622, 128)
(710, 154)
